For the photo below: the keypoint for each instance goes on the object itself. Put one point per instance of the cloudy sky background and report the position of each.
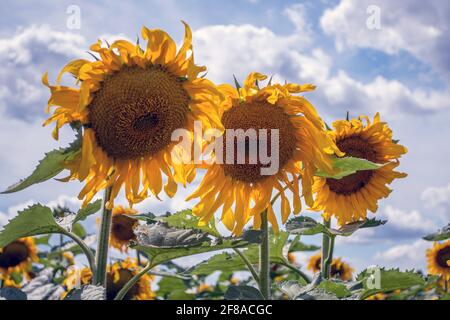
(401, 70)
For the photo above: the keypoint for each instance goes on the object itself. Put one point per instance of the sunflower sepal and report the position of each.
(442, 234)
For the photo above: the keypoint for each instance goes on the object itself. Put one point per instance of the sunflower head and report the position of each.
(314, 263)
(203, 287)
(338, 269)
(271, 118)
(291, 258)
(122, 228)
(341, 270)
(129, 102)
(18, 256)
(118, 274)
(349, 198)
(439, 260)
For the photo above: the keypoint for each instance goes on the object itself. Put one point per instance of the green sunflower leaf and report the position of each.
(304, 225)
(243, 293)
(348, 165)
(90, 209)
(87, 292)
(228, 262)
(162, 243)
(338, 289)
(49, 167)
(34, 220)
(9, 293)
(442, 234)
(350, 228)
(297, 245)
(186, 220)
(43, 240)
(379, 280)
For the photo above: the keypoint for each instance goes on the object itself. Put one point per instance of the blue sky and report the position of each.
(401, 70)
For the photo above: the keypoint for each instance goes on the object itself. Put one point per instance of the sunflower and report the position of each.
(303, 147)
(117, 276)
(69, 257)
(349, 198)
(18, 256)
(203, 287)
(129, 102)
(439, 260)
(377, 296)
(292, 258)
(314, 263)
(122, 228)
(339, 269)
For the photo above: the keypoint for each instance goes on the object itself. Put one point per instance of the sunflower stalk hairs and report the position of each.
(126, 107)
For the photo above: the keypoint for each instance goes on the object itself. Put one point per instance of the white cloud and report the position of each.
(20, 48)
(408, 221)
(290, 57)
(25, 56)
(436, 196)
(410, 255)
(405, 25)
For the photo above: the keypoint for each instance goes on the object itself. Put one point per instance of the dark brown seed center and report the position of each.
(122, 227)
(443, 256)
(13, 254)
(359, 148)
(136, 110)
(256, 116)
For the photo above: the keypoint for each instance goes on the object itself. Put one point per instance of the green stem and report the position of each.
(264, 264)
(248, 264)
(103, 241)
(132, 282)
(325, 249)
(329, 259)
(299, 272)
(86, 250)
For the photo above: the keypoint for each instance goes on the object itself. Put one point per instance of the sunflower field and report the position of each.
(134, 110)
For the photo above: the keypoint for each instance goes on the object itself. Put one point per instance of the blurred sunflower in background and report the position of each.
(118, 274)
(339, 269)
(129, 102)
(304, 147)
(122, 228)
(18, 256)
(439, 261)
(349, 198)
(314, 263)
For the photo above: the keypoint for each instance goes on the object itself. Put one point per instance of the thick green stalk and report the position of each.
(103, 241)
(264, 255)
(329, 258)
(325, 249)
